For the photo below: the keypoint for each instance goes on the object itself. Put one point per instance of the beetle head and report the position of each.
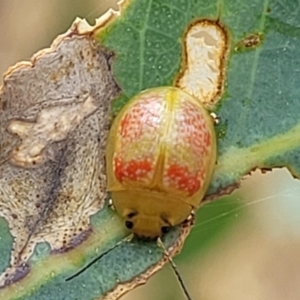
(146, 226)
(150, 214)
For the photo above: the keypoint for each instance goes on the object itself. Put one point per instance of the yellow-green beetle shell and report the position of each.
(160, 158)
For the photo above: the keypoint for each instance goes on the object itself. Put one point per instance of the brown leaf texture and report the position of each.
(53, 126)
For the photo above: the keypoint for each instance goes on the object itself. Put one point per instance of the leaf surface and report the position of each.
(259, 127)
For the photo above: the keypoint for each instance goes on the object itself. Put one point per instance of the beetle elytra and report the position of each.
(160, 157)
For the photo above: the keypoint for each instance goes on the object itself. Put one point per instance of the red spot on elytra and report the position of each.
(207, 139)
(124, 124)
(133, 170)
(143, 118)
(180, 178)
(192, 129)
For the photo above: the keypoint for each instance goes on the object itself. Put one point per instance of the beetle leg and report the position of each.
(191, 216)
(215, 118)
(110, 204)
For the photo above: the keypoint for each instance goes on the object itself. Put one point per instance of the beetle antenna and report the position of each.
(126, 239)
(181, 282)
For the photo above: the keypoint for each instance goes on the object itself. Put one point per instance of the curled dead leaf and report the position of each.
(53, 125)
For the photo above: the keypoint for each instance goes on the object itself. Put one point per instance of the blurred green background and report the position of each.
(245, 246)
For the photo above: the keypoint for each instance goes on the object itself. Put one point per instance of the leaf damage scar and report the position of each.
(52, 124)
(205, 48)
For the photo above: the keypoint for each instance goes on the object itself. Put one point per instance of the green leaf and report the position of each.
(259, 120)
(259, 126)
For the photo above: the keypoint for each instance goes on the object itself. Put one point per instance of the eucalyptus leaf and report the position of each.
(258, 128)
